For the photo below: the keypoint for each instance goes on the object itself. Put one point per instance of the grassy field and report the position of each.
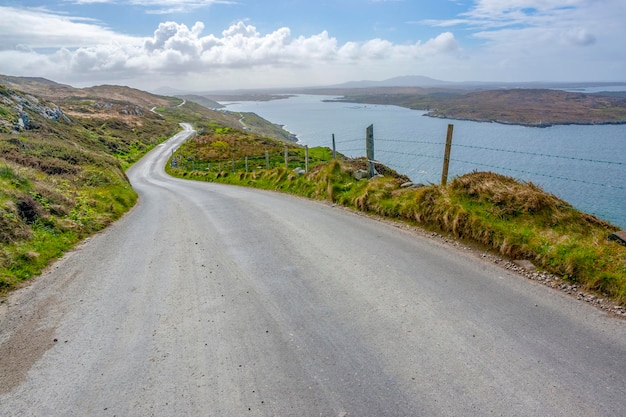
(497, 213)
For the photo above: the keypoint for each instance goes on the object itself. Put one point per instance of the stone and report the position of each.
(526, 264)
(359, 174)
(619, 237)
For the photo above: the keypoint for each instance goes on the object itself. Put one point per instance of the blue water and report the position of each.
(583, 165)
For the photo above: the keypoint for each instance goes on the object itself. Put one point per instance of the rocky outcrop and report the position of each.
(19, 110)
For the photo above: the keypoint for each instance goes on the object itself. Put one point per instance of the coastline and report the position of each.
(506, 122)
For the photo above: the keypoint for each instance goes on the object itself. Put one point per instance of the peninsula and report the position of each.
(520, 106)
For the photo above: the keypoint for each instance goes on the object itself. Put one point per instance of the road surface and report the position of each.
(211, 300)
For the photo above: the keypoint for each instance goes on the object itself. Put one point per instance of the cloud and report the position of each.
(40, 28)
(72, 49)
(159, 6)
(580, 37)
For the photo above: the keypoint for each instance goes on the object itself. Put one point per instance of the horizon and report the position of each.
(196, 45)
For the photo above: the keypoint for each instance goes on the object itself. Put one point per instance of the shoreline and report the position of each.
(505, 122)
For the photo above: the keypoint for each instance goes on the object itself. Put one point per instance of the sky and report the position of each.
(203, 45)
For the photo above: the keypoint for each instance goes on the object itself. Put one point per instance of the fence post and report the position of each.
(369, 146)
(286, 157)
(334, 148)
(267, 159)
(233, 162)
(246, 164)
(446, 158)
(306, 158)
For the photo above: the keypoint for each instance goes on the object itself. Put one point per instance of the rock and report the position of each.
(299, 171)
(619, 237)
(411, 185)
(359, 174)
(526, 264)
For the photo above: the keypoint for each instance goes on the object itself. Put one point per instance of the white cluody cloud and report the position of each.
(84, 50)
(505, 40)
(544, 39)
(159, 6)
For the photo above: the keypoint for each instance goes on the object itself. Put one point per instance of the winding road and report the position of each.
(212, 300)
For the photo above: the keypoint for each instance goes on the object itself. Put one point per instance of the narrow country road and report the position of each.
(211, 300)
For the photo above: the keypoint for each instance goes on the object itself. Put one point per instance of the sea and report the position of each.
(585, 165)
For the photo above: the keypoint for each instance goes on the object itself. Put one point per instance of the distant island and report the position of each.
(519, 106)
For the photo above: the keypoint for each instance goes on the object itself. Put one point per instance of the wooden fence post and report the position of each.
(286, 157)
(446, 158)
(334, 148)
(267, 159)
(369, 147)
(306, 158)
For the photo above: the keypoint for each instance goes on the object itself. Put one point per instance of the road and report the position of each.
(212, 300)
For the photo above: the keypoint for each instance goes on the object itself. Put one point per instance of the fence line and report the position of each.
(440, 156)
(293, 159)
(539, 174)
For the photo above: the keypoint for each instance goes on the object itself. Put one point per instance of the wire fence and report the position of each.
(437, 154)
(597, 186)
(290, 158)
(572, 178)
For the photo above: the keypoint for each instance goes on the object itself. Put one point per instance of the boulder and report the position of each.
(619, 237)
(359, 174)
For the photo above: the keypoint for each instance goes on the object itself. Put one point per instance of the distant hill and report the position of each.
(201, 100)
(403, 81)
(522, 106)
(59, 92)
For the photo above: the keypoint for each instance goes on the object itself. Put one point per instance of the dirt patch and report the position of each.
(26, 342)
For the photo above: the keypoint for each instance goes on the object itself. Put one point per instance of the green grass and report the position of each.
(60, 182)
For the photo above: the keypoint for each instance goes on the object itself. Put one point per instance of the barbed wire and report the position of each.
(571, 158)
(348, 141)
(351, 150)
(474, 163)
(410, 141)
(409, 154)
(619, 187)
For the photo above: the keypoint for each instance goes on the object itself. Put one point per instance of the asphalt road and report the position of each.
(211, 300)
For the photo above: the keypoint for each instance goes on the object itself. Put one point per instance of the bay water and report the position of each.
(584, 165)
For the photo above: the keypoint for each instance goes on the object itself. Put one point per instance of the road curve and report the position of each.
(211, 300)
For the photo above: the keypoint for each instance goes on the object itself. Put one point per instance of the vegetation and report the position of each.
(531, 107)
(517, 220)
(62, 174)
(62, 178)
(63, 153)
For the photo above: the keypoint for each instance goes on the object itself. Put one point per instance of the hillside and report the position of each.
(530, 107)
(63, 153)
(62, 172)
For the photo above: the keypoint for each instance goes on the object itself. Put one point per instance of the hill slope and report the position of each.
(63, 153)
(531, 107)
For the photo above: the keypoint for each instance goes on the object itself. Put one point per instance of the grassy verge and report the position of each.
(61, 178)
(516, 220)
(52, 195)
